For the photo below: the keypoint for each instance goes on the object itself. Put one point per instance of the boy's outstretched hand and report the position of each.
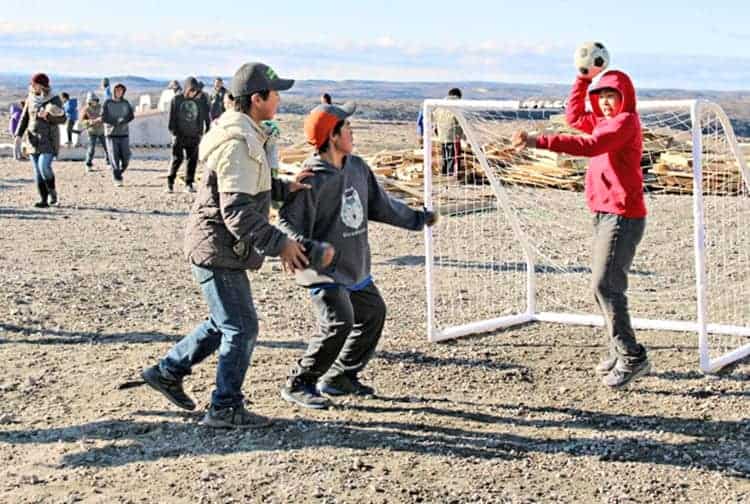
(293, 256)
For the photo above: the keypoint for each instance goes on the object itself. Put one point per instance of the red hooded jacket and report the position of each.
(614, 179)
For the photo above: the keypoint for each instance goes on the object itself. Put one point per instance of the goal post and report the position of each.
(513, 246)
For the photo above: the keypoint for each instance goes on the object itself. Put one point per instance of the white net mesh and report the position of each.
(480, 268)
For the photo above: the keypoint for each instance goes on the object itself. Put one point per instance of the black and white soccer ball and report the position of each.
(591, 59)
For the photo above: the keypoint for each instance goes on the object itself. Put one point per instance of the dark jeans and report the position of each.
(119, 154)
(232, 328)
(182, 148)
(69, 130)
(451, 158)
(92, 148)
(349, 328)
(615, 242)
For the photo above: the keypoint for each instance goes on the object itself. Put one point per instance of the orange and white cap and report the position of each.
(323, 118)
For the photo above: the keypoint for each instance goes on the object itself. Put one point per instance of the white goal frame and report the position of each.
(699, 326)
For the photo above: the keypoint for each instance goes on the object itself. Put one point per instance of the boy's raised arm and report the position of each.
(575, 112)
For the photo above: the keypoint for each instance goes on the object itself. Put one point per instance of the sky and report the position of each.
(679, 44)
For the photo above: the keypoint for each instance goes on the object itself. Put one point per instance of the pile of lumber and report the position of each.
(673, 173)
(666, 163)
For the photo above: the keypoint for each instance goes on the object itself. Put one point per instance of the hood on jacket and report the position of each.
(614, 79)
(123, 86)
(191, 83)
(316, 163)
(232, 125)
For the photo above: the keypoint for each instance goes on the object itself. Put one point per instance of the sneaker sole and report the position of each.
(642, 372)
(220, 424)
(157, 386)
(290, 398)
(331, 391)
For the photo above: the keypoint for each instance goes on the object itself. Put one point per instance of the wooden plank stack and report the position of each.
(667, 165)
(673, 173)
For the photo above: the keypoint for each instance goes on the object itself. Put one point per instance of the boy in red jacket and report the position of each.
(614, 193)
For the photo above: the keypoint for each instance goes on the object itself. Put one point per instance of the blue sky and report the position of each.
(663, 44)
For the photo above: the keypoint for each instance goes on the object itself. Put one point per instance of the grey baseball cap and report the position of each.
(253, 77)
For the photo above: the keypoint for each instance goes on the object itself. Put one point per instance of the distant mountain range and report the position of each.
(375, 94)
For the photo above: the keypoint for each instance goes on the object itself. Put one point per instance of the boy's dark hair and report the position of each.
(244, 103)
(65, 96)
(455, 92)
(336, 131)
(326, 98)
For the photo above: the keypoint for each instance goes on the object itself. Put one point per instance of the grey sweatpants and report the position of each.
(349, 327)
(615, 241)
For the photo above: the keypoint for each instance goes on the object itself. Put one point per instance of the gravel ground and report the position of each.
(97, 289)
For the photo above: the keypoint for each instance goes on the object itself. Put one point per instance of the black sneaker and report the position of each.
(41, 204)
(622, 373)
(52, 197)
(304, 394)
(343, 385)
(236, 417)
(169, 387)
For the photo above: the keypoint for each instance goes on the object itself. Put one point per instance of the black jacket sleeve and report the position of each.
(247, 224)
(106, 117)
(172, 124)
(131, 114)
(279, 189)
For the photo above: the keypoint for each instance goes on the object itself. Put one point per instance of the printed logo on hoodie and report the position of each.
(189, 110)
(352, 213)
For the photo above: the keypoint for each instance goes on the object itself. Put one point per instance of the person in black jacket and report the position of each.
(217, 99)
(188, 120)
(40, 120)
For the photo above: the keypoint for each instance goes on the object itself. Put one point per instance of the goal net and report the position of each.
(514, 242)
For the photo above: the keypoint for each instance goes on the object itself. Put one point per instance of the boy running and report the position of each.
(228, 233)
(345, 196)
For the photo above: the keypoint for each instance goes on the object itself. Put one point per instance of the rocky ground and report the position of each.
(97, 289)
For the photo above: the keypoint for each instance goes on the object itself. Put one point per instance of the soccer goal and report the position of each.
(513, 245)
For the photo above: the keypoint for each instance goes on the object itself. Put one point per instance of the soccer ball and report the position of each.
(591, 58)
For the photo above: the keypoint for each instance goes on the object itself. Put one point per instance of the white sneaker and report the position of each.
(189, 188)
(169, 190)
(119, 183)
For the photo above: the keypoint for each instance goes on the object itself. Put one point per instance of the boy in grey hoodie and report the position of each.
(116, 115)
(345, 195)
